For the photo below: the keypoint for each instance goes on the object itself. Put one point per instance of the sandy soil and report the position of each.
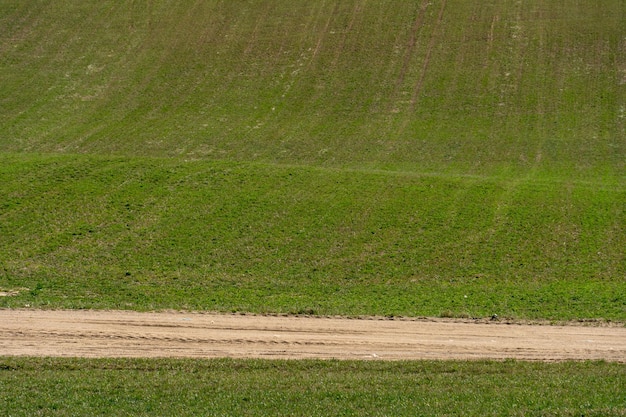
(200, 335)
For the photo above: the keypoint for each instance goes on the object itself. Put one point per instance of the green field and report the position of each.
(104, 232)
(444, 158)
(121, 387)
(417, 158)
(484, 88)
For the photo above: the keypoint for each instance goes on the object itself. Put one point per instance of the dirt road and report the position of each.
(198, 335)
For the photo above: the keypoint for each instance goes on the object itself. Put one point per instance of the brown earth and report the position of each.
(203, 335)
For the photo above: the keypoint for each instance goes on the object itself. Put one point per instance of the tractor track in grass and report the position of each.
(431, 46)
(90, 333)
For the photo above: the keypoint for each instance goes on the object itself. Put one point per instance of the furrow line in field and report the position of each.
(408, 53)
(324, 32)
(431, 45)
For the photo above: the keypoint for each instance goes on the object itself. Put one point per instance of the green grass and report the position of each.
(141, 233)
(436, 158)
(441, 86)
(392, 158)
(115, 387)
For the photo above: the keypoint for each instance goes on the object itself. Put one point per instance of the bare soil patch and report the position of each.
(12, 292)
(203, 335)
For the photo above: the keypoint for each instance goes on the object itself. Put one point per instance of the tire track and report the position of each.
(409, 51)
(324, 31)
(431, 46)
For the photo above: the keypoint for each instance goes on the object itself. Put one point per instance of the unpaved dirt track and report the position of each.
(200, 335)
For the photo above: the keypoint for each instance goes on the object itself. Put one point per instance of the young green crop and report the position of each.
(437, 157)
(415, 158)
(313, 388)
(95, 232)
(441, 86)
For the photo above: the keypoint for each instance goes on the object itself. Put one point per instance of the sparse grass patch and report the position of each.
(460, 87)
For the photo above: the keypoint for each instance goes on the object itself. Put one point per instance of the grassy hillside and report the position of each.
(348, 157)
(471, 87)
(84, 231)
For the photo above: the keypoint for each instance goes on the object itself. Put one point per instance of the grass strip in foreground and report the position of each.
(117, 387)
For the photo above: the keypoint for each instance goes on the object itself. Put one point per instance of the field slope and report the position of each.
(436, 158)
